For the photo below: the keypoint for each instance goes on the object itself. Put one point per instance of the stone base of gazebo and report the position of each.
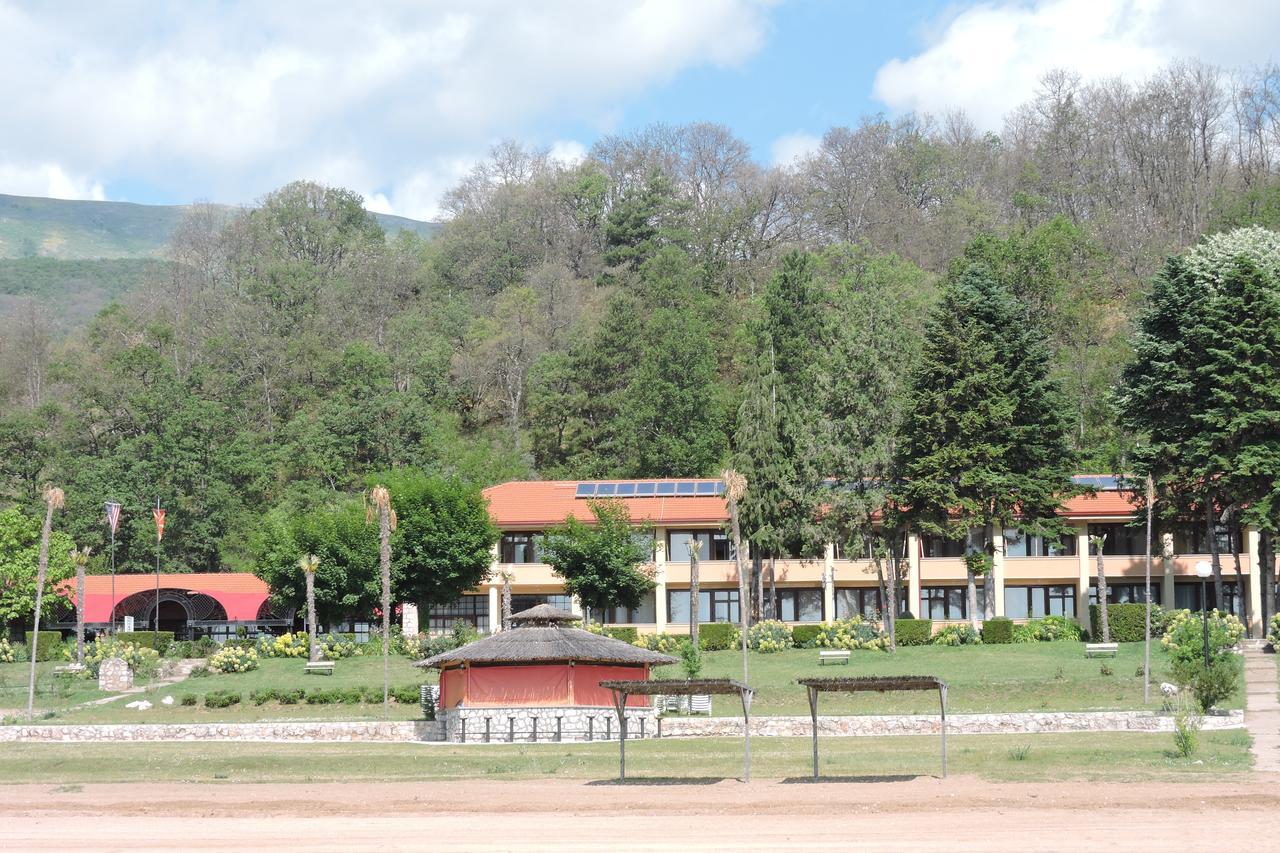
(546, 725)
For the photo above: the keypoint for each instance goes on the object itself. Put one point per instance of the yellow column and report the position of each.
(495, 611)
(829, 583)
(997, 571)
(1167, 599)
(1255, 584)
(660, 575)
(1086, 575)
(913, 574)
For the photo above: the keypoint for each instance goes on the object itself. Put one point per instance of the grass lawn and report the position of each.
(52, 693)
(1018, 677)
(1043, 757)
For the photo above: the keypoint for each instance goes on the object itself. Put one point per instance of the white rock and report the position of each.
(141, 705)
(168, 700)
(1168, 689)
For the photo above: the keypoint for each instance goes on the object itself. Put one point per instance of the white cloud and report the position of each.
(570, 152)
(791, 147)
(229, 100)
(988, 59)
(47, 179)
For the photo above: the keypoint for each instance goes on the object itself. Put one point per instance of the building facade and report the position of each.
(1032, 576)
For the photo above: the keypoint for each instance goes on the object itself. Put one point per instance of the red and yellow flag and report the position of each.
(159, 516)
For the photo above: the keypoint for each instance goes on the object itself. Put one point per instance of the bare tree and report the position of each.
(80, 557)
(380, 505)
(308, 564)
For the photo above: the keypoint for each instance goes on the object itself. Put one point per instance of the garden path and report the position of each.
(1262, 708)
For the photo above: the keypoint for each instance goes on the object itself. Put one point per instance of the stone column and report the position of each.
(1167, 591)
(409, 619)
(1255, 583)
(829, 583)
(495, 610)
(913, 575)
(997, 570)
(1086, 574)
(660, 576)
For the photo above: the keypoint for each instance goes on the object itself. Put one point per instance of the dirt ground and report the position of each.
(894, 814)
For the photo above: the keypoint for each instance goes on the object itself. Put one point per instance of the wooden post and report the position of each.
(747, 694)
(942, 694)
(813, 712)
(619, 702)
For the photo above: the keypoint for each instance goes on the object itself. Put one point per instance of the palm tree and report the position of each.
(53, 499)
(695, 545)
(506, 600)
(80, 557)
(381, 506)
(1097, 542)
(735, 486)
(309, 563)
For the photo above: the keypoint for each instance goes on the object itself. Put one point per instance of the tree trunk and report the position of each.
(80, 611)
(506, 601)
(989, 579)
(384, 557)
(1242, 593)
(744, 588)
(971, 596)
(773, 587)
(311, 616)
(890, 617)
(1102, 592)
(42, 568)
(1264, 580)
(757, 580)
(1214, 557)
(693, 592)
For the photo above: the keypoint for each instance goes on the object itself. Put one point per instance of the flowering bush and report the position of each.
(1184, 634)
(667, 644)
(416, 646)
(956, 635)
(336, 648)
(769, 636)
(1048, 629)
(6, 651)
(1274, 633)
(853, 633)
(143, 661)
(233, 659)
(284, 646)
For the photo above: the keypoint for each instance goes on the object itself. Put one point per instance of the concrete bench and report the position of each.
(834, 656)
(69, 669)
(319, 667)
(1101, 650)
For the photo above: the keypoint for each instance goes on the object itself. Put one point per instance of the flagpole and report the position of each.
(155, 623)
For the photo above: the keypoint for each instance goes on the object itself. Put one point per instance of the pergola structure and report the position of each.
(699, 687)
(878, 684)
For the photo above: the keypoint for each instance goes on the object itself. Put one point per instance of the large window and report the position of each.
(714, 605)
(939, 546)
(1032, 602)
(642, 615)
(944, 602)
(1186, 596)
(865, 601)
(1020, 544)
(1127, 593)
(518, 548)
(472, 609)
(524, 602)
(714, 545)
(799, 605)
(1194, 539)
(1122, 540)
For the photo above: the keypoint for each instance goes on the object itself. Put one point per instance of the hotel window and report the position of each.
(1194, 539)
(799, 605)
(943, 602)
(1126, 593)
(714, 605)
(518, 548)
(1186, 596)
(524, 602)
(472, 609)
(864, 601)
(642, 615)
(714, 545)
(1018, 543)
(940, 546)
(1032, 602)
(1122, 540)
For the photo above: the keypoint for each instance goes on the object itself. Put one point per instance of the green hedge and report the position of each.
(625, 634)
(716, 636)
(50, 647)
(805, 635)
(240, 643)
(1127, 621)
(221, 699)
(158, 640)
(998, 631)
(913, 632)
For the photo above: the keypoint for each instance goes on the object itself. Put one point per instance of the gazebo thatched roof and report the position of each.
(544, 634)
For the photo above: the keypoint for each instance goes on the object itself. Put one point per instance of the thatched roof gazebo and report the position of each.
(543, 661)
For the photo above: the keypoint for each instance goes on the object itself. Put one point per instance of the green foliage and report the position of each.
(912, 632)
(769, 636)
(628, 634)
(233, 659)
(1048, 629)
(158, 640)
(690, 660)
(50, 645)
(852, 633)
(1273, 632)
(221, 698)
(603, 563)
(287, 645)
(7, 654)
(1211, 685)
(667, 644)
(339, 646)
(956, 635)
(717, 636)
(1127, 621)
(143, 661)
(19, 558)
(997, 631)
(805, 636)
(1187, 721)
(188, 700)
(1184, 639)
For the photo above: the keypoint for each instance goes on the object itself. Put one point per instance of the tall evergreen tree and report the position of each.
(985, 442)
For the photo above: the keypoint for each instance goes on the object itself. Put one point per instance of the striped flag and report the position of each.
(113, 515)
(159, 516)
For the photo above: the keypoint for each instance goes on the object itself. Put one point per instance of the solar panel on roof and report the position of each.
(585, 490)
(605, 489)
(625, 489)
(708, 488)
(666, 488)
(1102, 482)
(685, 488)
(645, 489)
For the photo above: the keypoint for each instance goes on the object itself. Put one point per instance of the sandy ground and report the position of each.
(956, 814)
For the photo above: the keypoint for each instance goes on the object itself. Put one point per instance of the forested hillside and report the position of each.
(632, 315)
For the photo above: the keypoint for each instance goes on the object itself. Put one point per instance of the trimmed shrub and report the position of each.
(625, 633)
(1047, 630)
(240, 643)
(956, 635)
(716, 636)
(143, 662)
(769, 636)
(341, 646)
(291, 697)
(805, 636)
(234, 659)
(221, 699)
(158, 640)
(188, 699)
(853, 633)
(263, 696)
(204, 646)
(409, 694)
(1127, 621)
(667, 644)
(997, 631)
(50, 647)
(912, 632)
(322, 697)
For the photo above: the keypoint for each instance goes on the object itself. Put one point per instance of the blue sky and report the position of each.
(227, 99)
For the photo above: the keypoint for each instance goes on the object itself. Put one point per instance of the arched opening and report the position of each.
(173, 616)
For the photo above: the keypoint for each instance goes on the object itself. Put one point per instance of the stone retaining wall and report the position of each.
(929, 724)
(300, 732)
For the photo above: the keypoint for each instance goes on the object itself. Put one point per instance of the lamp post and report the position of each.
(1203, 570)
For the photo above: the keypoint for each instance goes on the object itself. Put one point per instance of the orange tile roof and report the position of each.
(543, 502)
(127, 584)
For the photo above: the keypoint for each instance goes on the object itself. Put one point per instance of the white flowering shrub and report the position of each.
(143, 661)
(288, 645)
(854, 633)
(769, 636)
(234, 659)
(6, 651)
(1215, 254)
